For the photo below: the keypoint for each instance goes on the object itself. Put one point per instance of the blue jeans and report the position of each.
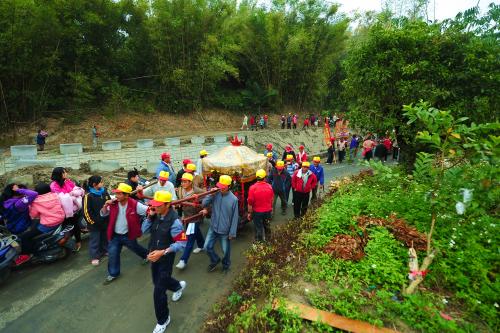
(225, 243)
(200, 241)
(115, 248)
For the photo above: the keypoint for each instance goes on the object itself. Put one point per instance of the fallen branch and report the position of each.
(334, 320)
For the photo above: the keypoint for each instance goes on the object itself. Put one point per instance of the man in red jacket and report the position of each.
(124, 228)
(303, 181)
(260, 206)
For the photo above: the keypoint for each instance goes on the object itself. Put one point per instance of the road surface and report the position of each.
(69, 295)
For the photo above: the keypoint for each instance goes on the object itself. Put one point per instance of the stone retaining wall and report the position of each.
(147, 156)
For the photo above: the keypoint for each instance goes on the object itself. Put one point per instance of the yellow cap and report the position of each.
(203, 152)
(163, 175)
(225, 180)
(289, 157)
(269, 154)
(187, 176)
(306, 164)
(160, 198)
(123, 188)
(280, 164)
(261, 173)
(191, 167)
(316, 159)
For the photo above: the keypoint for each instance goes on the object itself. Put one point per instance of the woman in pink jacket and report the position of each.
(47, 208)
(70, 196)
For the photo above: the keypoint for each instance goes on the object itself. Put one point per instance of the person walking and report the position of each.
(185, 162)
(223, 223)
(289, 121)
(199, 163)
(266, 121)
(353, 147)
(269, 149)
(245, 122)
(318, 171)
(283, 120)
(341, 148)
(40, 139)
(302, 155)
(288, 151)
(303, 181)
(260, 206)
(395, 149)
(331, 152)
(252, 123)
(291, 167)
(294, 120)
(95, 136)
(381, 151)
(124, 228)
(193, 231)
(167, 238)
(388, 147)
(368, 146)
(166, 165)
(261, 122)
(163, 185)
(93, 201)
(280, 181)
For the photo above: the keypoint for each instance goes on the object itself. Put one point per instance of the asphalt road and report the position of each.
(68, 295)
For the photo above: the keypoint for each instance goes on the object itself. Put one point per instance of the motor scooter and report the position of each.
(9, 250)
(54, 245)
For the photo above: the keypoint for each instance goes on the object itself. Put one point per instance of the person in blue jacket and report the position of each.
(317, 169)
(166, 165)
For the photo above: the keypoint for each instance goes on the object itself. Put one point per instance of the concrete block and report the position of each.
(151, 166)
(23, 152)
(71, 148)
(104, 165)
(112, 145)
(198, 140)
(145, 143)
(220, 139)
(172, 141)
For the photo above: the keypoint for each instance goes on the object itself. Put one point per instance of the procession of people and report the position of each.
(173, 206)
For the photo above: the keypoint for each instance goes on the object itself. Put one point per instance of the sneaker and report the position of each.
(212, 267)
(177, 295)
(181, 264)
(21, 259)
(161, 328)
(95, 262)
(109, 279)
(198, 250)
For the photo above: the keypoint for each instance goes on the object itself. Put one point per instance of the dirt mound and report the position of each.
(349, 247)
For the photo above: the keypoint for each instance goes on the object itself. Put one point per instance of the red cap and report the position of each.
(164, 156)
(301, 147)
(269, 146)
(288, 148)
(186, 161)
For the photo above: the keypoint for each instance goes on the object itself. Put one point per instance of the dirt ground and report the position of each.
(131, 126)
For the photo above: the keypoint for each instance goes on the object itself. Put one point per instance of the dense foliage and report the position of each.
(169, 55)
(453, 64)
(451, 197)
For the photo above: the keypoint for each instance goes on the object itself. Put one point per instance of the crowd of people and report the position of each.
(133, 208)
